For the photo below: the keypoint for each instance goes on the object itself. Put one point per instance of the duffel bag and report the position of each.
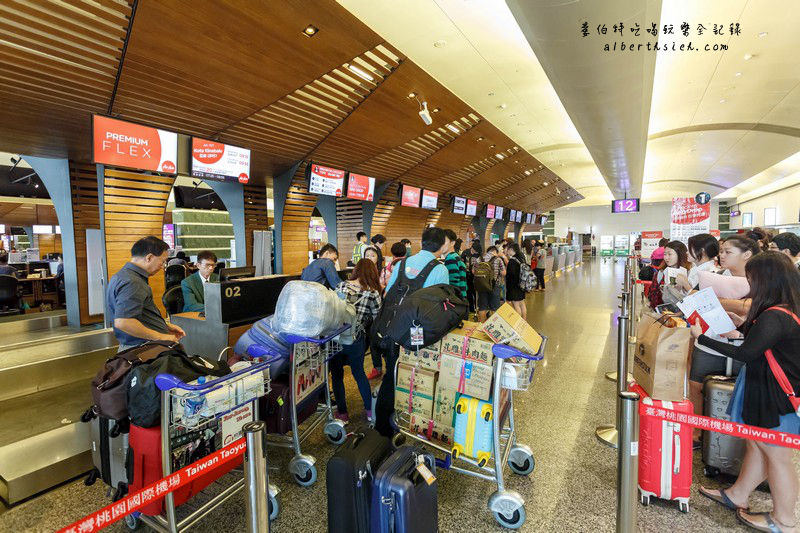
(109, 386)
(437, 309)
(144, 397)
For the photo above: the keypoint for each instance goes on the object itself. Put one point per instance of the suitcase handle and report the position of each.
(676, 466)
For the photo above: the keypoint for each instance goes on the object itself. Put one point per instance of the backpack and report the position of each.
(144, 397)
(402, 287)
(109, 387)
(438, 309)
(647, 273)
(484, 277)
(349, 336)
(527, 279)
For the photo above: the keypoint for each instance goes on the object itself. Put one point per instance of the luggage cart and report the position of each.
(174, 395)
(316, 351)
(513, 371)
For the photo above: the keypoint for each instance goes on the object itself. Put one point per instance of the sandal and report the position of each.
(771, 523)
(721, 499)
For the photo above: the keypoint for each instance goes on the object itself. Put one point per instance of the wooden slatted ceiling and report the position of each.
(85, 215)
(349, 221)
(256, 214)
(27, 214)
(296, 217)
(134, 208)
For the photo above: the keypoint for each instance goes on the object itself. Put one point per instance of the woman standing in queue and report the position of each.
(771, 328)
(514, 293)
(675, 256)
(363, 290)
(703, 252)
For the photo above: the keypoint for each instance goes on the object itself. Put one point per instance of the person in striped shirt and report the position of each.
(455, 266)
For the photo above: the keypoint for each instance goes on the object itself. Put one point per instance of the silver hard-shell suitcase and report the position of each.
(110, 455)
(721, 453)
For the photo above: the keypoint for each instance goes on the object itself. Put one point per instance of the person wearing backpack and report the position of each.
(456, 269)
(538, 263)
(471, 257)
(422, 269)
(515, 295)
(363, 290)
(489, 277)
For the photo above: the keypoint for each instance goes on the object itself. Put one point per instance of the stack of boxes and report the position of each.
(430, 379)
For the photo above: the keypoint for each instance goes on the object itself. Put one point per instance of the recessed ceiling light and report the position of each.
(492, 145)
(310, 30)
(499, 156)
(738, 74)
(722, 101)
(360, 72)
(435, 109)
(748, 57)
(502, 106)
(480, 138)
(527, 172)
(763, 34)
(545, 184)
(412, 95)
(441, 43)
(453, 128)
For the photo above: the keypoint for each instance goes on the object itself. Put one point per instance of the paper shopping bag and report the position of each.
(659, 359)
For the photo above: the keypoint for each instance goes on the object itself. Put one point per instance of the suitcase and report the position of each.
(665, 453)
(274, 410)
(721, 453)
(474, 429)
(145, 444)
(110, 455)
(403, 499)
(349, 480)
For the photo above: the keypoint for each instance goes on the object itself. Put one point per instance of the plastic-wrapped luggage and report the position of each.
(309, 309)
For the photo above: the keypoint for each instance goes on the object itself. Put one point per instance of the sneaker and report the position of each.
(344, 417)
(368, 412)
(375, 373)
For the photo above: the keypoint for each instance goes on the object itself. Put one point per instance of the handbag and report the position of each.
(777, 371)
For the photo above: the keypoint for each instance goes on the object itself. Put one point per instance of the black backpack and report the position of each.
(402, 287)
(438, 309)
(647, 273)
(144, 397)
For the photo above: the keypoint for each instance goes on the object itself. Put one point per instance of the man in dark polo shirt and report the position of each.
(135, 317)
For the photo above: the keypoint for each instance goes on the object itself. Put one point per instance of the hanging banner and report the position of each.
(472, 207)
(650, 242)
(688, 218)
(125, 144)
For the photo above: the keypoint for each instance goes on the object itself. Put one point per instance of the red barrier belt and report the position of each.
(770, 436)
(155, 491)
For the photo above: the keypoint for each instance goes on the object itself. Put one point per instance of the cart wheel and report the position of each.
(512, 521)
(684, 507)
(133, 522)
(710, 471)
(308, 475)
(520, 460)
(335, 432)
(92, 477)
(274, 508)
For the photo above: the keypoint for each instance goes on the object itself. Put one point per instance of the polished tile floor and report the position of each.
(573, 486)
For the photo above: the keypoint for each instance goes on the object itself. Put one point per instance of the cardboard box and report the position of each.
(477, 377)
(427, 357)
(432, 430)
(507, 327)
(423, 386)
(469, 342)
(444, 404)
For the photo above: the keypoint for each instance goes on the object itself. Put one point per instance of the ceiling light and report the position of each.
(359, 72)
(502, 106)
(492, 145)
(480, 138)
(499, 156)
(527, 172)
(738, 74)
(516, 161)
(441, 43)
(435, 109)
(722, 101)
(545, 184)
(36, 186)
(763, 34)
(748, 57)
(453, 128)
(310, 30)
(412, 95)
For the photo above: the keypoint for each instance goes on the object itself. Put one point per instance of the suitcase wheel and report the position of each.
(304, 472)
(710, 471)
(133, 522)
(274, 508)
(92, 477)
(482, 462)
(456, 451)
(684, 507)
(644, 499)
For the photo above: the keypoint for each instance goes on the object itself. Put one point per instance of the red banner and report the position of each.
(155, 491)
(130, 145)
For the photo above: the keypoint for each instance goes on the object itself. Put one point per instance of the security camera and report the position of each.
(425, 115)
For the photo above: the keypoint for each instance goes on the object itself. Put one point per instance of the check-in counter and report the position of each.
(231, 307)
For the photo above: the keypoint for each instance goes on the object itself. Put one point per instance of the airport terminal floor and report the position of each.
(573, 485)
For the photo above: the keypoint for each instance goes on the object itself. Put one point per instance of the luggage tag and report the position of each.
(424, 471)
(417, 336)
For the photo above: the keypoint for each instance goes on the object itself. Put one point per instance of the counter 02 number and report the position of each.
(233, 292)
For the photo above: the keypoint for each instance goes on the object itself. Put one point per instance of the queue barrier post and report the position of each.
(256, 478)
(608, 433)
(627, 461)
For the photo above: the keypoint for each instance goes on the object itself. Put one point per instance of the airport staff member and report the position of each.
(129, 298)
(5, 268)
(192, 287)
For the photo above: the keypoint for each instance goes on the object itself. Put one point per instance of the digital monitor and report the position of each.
(498, 212)
(230, 274)
(125, 144)
(529, 218)
(325, 180)
(472, 207)
(489, 211)
(410, 196)
(218, 161)
(40, 229)
(519, 216)
(459, 205)
(512, 216)
(430, 199)
(360, 187)
(544, 220)
(628, 205)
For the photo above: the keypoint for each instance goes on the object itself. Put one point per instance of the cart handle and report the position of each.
(256, 350)
(295, 339)
(504, 351)
(167, 382)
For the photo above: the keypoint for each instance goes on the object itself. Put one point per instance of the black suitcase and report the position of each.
(349, 480)
(275, 408)
(403, 500)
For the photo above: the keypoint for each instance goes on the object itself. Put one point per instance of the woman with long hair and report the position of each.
(514, 293)
(703, 251)
(363, 290)
(675, 256)
(771, 326)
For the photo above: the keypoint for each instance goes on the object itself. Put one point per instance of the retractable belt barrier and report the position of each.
(155, 491)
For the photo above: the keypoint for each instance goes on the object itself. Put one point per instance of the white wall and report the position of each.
(786, 203)
(599, 220)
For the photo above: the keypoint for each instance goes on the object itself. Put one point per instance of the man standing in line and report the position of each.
(456, 269)
(358, 249)
(787, 243)
(129, 298)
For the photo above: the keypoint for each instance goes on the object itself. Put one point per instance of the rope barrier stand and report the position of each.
(109, 514)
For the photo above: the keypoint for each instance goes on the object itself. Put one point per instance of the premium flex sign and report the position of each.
(218, 161)
(125, 144)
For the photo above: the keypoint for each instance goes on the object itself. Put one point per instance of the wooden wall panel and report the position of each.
(297, 212)
(349, 221)
(134, 208)
(85, 215)
(49, 244)
(465, 228)
(256, 215)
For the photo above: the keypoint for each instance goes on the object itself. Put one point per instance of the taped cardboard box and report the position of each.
(422, 383)
(468, 377)
(427, 357)
(432, 430)
(444, 404)
(469, 342)
(506, 326)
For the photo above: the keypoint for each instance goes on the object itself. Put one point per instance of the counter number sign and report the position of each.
(702, 198)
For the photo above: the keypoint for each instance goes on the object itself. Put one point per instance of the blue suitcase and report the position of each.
(263, 334)
(403, 500)
(474, 429)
